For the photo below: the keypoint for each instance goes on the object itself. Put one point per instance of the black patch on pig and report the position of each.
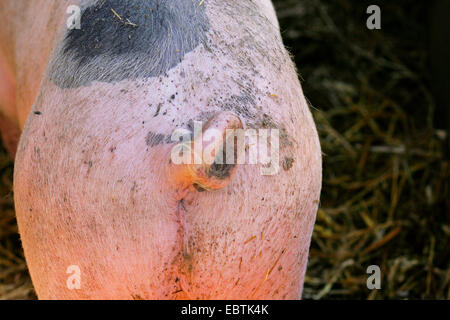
(129, 39)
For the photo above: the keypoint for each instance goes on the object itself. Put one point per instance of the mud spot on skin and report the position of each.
(129, 39)
(241, 105)
(187, 264)
(157, 110)
(89, 165)
(288, 163)
(154, 139)
(244, 105)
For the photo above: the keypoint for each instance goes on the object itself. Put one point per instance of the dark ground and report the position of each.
(385, 198)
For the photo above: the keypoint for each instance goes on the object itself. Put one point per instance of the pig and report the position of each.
(103, 211)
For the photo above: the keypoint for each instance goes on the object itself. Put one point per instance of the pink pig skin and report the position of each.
(93, 183)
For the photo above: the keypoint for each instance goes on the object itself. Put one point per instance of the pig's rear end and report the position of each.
(94, 183)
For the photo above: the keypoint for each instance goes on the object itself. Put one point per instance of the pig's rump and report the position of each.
(94, 184)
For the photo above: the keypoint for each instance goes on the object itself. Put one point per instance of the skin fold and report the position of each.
(94, 185)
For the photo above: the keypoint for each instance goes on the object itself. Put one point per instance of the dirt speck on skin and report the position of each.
(154, 139)
(287, 163)
(157, 110)
(187, 263)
